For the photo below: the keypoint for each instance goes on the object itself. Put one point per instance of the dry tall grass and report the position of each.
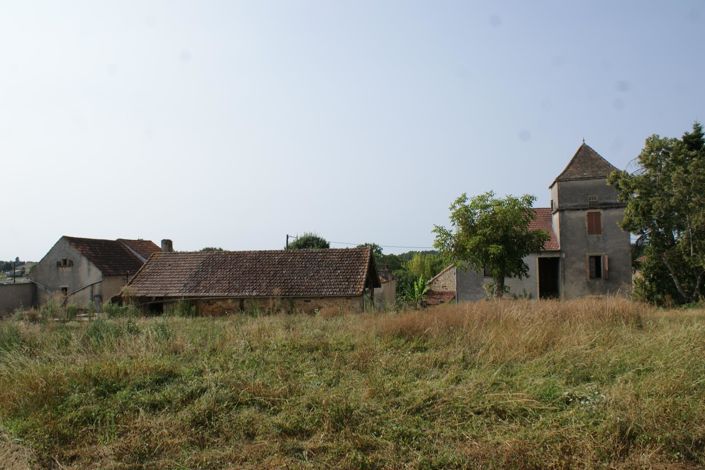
(527, 384)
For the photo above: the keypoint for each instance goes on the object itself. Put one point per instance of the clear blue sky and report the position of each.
(223, 123)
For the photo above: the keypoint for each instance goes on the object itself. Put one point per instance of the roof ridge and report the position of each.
(111, 257)
(282, 273)
(87, 238)
(283, 250)
(442, 271)
(590, 158)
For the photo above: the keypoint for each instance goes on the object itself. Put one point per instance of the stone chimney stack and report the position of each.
(167, 246)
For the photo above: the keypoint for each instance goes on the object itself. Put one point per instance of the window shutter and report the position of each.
(594, 223)
(605, 267)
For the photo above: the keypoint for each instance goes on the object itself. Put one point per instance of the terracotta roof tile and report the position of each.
(585, 164)
(280, 273)
(143, 248)
(544, 221)
(110, 256)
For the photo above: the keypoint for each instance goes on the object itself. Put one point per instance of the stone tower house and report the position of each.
(595, 251)
(588, 253)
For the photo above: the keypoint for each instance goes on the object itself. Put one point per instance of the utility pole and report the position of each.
(14, 271)
(287, 239)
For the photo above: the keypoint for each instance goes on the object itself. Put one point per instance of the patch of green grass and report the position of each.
(493, 384)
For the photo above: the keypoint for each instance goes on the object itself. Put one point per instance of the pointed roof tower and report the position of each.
(586, 164)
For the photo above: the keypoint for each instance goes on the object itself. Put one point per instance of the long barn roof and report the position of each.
(241, 274)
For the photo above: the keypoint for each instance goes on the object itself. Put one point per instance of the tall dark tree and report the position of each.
(491, 234)
(309, 240)
(666, 209)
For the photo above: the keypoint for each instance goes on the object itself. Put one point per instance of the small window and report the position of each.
(598, 267)
(64, 263)
(65, 291)
(594, 223)
(595, 267)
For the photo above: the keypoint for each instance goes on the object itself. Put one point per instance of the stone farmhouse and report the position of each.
(588, 252)
(221, 282)
(87, 271)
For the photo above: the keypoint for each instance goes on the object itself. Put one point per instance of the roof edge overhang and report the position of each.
(216, 296)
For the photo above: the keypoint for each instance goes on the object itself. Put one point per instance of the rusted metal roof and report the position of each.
(111, 257)
(543, 220)
(242, 274)
(585, 164)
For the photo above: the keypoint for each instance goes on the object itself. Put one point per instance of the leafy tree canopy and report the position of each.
(212, 248)
(376, 250)
(309, 240)
(490, 233)
(426, 265)
(665, 201)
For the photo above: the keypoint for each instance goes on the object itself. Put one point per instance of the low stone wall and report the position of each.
(276, 305)
(16, 296)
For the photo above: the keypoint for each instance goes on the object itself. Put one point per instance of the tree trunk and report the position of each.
(672, 273)
(498, 287)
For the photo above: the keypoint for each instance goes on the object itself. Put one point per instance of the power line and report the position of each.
(385, 246)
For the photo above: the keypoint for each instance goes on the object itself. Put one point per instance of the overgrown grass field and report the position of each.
(529, 384)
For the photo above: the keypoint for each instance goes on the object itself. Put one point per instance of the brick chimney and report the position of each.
(167, 246)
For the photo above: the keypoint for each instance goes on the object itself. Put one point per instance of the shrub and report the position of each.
(101, 333)
(50, 310)
(10, 336)
(71, 312)
(113, 310)
(182, 308)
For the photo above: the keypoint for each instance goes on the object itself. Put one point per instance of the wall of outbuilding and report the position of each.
(83, 277)
(386, 296)
(470, 284)
(445, 281)
(16, 296)
(218, 307)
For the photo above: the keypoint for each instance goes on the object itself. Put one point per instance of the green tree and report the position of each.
(376, 251)
(309, 240)
(425, 264)
(665, 200)
(417, 292)
(492, 234)
(212, 248)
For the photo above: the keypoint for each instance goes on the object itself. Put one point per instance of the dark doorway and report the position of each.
(548, 278)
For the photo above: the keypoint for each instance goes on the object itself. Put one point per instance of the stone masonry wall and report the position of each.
(219, 307)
